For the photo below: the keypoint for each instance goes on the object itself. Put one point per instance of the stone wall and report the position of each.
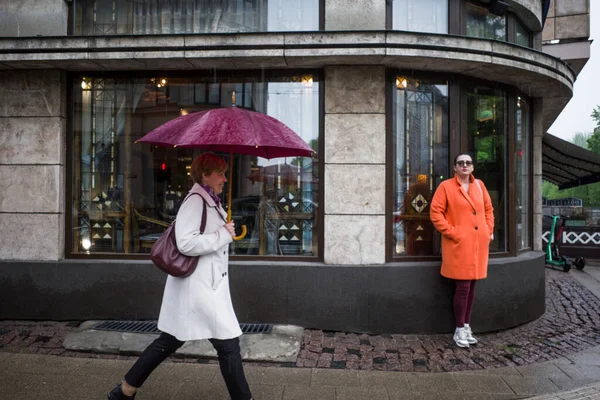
(354, 165)
(567, 19)
(23, 18)
(32, 159)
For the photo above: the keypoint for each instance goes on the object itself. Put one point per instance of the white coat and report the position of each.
(199, 306)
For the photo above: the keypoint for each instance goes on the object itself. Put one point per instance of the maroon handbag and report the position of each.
(166, 256)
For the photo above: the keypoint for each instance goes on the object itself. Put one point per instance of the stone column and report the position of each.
(538, 133)
(354, 165)
(32, 160)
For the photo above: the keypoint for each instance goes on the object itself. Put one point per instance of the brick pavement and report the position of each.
(571, 324)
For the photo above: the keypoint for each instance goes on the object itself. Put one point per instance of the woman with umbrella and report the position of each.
(198, 306)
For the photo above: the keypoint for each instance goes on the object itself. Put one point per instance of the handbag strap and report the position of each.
(203, 223)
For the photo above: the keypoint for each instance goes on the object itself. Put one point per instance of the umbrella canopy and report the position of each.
(231, 130)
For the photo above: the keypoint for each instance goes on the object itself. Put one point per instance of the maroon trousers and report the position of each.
(464, 296)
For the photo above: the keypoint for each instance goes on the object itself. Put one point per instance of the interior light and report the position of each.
(307, 80)
(86, 244)
(86, 84)
(183, 111)
(401, 82)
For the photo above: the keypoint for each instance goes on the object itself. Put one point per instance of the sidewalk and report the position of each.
(44, 377)
(556, 357)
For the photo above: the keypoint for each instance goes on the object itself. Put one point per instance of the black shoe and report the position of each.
(117, 394)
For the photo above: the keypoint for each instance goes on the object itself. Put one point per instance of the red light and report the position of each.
(163, 166)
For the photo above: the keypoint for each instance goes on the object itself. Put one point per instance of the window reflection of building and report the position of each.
(420, 137)
(486, 138)
(152, 17)
(125, 194)
(522, 125)
(482, 23)
(420, 15)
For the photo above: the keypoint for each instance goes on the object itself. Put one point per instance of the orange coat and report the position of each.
(466, 221)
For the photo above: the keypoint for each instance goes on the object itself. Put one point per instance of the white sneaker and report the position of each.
(470, 338)
(460, 338)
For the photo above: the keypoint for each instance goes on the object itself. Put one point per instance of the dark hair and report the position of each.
(462, 154)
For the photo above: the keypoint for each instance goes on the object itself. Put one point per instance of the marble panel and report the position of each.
(571, 7)
(38, 237)
(30, 188)
(551, 12)
(548, 32)
(354, 189)
(355, 89)
(572, 26)
(354, 239)
(342, 15)
(32, 140)
(355, 138)
(37, 93)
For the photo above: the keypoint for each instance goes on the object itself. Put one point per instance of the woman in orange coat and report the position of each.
(461, 210)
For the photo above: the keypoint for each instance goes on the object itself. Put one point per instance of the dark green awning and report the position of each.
(568, 165)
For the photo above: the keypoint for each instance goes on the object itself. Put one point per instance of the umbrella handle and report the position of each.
(243, 234)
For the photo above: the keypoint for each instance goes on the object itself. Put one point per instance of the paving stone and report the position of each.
(427, 382)
(353, 393)
(330, 377)
(391, 380)
(482, 384)
(530, 385)
(295, 392)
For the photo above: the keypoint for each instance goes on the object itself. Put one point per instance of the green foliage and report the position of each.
(593, 142)
(590, 194)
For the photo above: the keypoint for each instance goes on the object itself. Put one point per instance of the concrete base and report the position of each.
(281, 345)
(408, 298)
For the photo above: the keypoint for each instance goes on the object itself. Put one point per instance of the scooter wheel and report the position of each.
(566, 268)
(580, 263)
(566, 263)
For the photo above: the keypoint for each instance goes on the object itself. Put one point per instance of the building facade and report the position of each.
(386, 93)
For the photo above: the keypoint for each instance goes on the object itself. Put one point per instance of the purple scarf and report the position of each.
(212, 194)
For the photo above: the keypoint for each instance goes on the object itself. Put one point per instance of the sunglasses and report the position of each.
(463, 163)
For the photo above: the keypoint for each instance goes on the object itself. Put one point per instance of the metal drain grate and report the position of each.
(256, 328)
(150, 327)
(127, 326)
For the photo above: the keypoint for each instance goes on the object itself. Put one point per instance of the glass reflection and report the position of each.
(126, 194)
(420, 126)
(486, 140)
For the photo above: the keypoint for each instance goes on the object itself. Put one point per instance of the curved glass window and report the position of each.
(124, 195)
(153, 17)
(420, 145)
(420, 15)
(482, 23)
(522, 36)
(486, 141)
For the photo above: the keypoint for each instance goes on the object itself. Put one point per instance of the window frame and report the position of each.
(70, 169)
(458, 86)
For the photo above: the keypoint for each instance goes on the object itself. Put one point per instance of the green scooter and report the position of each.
(553, 256)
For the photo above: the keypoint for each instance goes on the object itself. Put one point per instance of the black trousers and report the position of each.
(228, 352)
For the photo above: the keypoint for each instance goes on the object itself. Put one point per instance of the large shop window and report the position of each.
(486, 140)
(124, 195)
(420, 16)
(153, 17)
(484, 24)
(523, 186)
(420, 145)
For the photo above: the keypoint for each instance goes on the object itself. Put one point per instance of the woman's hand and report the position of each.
(491, 237)
(230, 226)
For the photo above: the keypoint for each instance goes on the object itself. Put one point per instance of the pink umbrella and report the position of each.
(232, 130)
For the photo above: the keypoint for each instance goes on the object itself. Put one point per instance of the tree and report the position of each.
(593, 142)
(580, 139)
